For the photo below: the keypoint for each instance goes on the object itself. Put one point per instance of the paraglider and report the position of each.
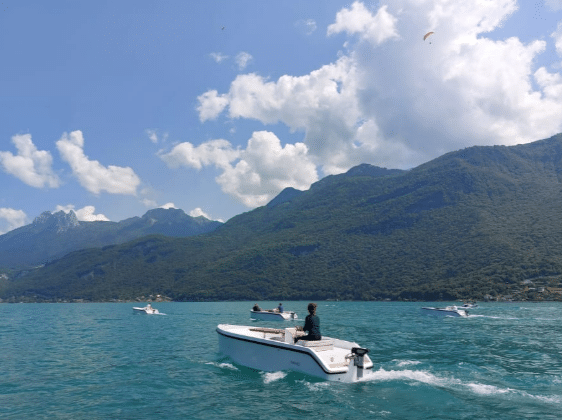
(427, 36)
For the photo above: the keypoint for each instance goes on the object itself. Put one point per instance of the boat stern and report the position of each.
(360, 359)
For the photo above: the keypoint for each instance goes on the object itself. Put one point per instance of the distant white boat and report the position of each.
(469, 306)
(148, 309)
(273, 315)
(447, 311)
(272, 349)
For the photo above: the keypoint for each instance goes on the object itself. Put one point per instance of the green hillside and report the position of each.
(480, 221)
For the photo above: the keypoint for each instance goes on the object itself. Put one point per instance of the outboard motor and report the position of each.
(358, 354)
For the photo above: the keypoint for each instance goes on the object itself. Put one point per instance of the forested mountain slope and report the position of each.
(480, 221)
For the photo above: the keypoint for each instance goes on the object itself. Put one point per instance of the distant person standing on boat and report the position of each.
(280, 308)
(311, 325)
(256, 308)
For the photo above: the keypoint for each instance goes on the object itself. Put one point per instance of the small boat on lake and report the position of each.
(447, 311)
(469, 305)
(148, 309)
(273, 315)
(273, 349)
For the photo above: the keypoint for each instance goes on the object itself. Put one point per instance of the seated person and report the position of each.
(311, 325)
(280, 308)
(256, 308)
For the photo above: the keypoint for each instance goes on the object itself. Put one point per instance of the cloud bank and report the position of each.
(391, 98)
(394, 100)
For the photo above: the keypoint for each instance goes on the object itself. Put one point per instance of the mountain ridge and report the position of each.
(477, 223)
(52, 235)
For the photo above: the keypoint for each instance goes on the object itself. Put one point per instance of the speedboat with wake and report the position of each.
(273, 315)
(148, 309)
(274, 349)
(447, 311)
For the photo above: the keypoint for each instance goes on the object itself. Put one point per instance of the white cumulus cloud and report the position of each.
(253, 175)
(242, 60)
(196, 212)
(12, 219)
(91, 174)
(211, 104)
(359, 20)
(218, 57)
(85, 214)
(214, 152)
(154, 136)
(32, 166)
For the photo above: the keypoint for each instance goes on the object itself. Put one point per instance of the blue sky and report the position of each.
(111, 108)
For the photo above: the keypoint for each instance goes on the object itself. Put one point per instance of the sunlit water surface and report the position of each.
(102, 361)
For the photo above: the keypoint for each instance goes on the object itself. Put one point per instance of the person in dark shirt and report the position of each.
(256, 308)
(311, 325)
(280, 308)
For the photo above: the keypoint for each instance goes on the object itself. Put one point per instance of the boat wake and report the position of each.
(409, 376)
(317, 386)
(382, 375)
(402, 363)
(453, 384)
(494, 317)
(228, 366)
(269, 377)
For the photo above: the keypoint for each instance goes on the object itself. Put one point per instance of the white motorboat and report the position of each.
(273, 315)
(147, 310)
(447, 311)
(469, 306)
(273, 349)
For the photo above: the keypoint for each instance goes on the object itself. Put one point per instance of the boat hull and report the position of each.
(147, 311)
(446, 312)
(273, 316)
(271, 356)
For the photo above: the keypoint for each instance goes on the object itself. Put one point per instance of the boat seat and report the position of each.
(278, 338)
(320, 345)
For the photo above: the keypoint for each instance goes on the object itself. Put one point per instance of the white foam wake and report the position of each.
(229, 366)
(269, 377)
(401, 375)
(428, 378)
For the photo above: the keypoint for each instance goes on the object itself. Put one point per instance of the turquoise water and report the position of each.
(102, 361)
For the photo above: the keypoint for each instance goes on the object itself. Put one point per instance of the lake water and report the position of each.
(102, 361)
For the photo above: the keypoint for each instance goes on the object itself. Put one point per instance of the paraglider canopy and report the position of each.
(427, 35)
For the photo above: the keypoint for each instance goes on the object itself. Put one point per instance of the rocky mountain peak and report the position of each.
(59, 221)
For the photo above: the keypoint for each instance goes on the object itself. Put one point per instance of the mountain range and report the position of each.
(482, 222)
(51, 236)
